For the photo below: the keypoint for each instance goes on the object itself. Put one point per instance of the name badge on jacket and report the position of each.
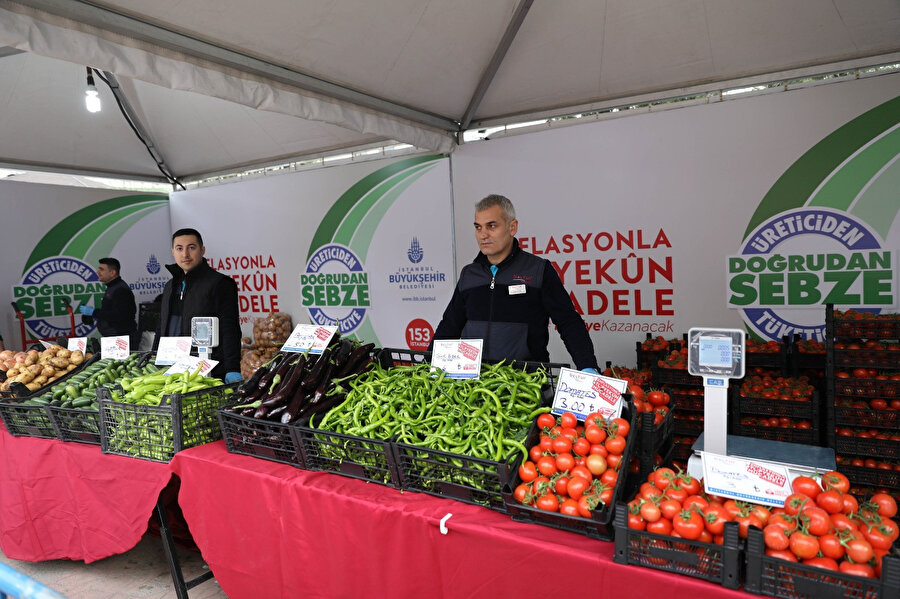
(516, 289)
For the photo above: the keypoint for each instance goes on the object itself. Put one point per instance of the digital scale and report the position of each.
(204, 334)
(718, 355)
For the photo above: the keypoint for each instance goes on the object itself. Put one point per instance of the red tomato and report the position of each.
(885, 505)
(522, 494)
(669, 508)
(795, 502)
(546, 421)
(561, 445)
(568, 420)
(576, 486)
(569, 507)
(581, 446)
(830, 546)
(826, 563)
(583, 472)
(688, 524)
(835, 480)
(831, 501)
(804, 546)
(609, 477)
(818, 522)
(615, 445)
(859, 550)
(775, 537)
(662, 477)
(660, 527)
(594, 434)
(548, 503)
(547, 465)
(806, 485)
(620, 427)
(857, 569)
(527, 471)
(564, 463)
(781, 554)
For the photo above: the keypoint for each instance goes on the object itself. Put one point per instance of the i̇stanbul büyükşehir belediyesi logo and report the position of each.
(797, 261)
(48, 286)
(335, 288)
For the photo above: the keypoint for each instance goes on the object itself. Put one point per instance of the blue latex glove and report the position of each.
(232, 377)
(591, 370)
(86, 310)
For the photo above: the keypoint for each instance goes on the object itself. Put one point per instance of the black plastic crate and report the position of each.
(761, 406)
(389, 357)
(776, 577)
(868, 328)
(681, 400)
(775, 360)
(654, 437)
(600, 525)
(853, 387)
(866, 358)
(157, 433)
(871, 477)
(648, 463)
(357, 457)
(885, 449)
(20, 391)
(720, 564)
(688, 428)
(675, 376)
(682, 451)
(76, 424)
(27, 420)
(808, 436)
(866, 417)
(259, 438)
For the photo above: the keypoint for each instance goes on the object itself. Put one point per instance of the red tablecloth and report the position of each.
(271, 530)
(70, 501)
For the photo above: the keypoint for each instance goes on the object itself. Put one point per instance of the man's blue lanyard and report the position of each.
(183, 283)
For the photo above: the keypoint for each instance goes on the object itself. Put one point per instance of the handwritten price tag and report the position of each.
(746, 480)
(190, 364)
(77, 344)
(172, 349)
(583, 393)
(114, 348)
(458, 358)
(309, 337)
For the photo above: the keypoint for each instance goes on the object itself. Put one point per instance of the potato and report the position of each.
(62, 352)
(40, 380)
(25, 377)
(31, 359)
(35, 369)
(47, 371)
(13, 372)
(33, 386)
(76, 357)
(50, 351)
(59, 362)
(71, 367)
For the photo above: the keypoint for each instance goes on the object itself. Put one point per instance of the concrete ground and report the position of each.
(141, 573)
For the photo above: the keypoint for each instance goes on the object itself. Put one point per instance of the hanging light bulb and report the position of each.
(91, 95)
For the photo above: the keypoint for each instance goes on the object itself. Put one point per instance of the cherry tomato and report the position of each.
(615, 445)
(564, 463)
(775, 537)
(804, 546)
(568, 420)
(569, 507)
(527, 471)
(561, 485)
(688, 524)
(620, 427)
(581, 446)
(577, 486)
(561, 445)
(547, 465)
(832, 501)
(806, 485)
(547, 502)
(594, 434)
(522, 493)
(546, 421)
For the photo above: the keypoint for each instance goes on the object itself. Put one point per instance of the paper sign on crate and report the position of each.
(172, 349)
(583, 393)
(746, 480)
(190, 364)
(77, 344)
(459, 358)
(313, 338)
(114, 348)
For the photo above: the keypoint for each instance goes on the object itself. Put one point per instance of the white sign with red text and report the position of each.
(459, 358)
(583, 393)
(191, 364)
(310, 338)
(172, 349)
(114, 348)
(746, 480)
(77, 344)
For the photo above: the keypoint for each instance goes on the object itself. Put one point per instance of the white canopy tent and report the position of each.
(222, 85)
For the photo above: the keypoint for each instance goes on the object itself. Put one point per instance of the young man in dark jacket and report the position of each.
(197, 290)
(507, 296)
(115, 314)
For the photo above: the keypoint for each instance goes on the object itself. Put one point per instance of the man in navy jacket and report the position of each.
(507, 296)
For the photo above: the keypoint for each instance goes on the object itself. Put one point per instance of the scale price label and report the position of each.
(745, 480)
(114, 348)
(172, 349)
(77, 344)
(458, 358)
(190, 364)
(583, 393)
(312, 338)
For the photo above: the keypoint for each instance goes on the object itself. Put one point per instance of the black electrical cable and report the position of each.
(169, 176)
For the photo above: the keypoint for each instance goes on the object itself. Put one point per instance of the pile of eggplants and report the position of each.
(293, 387)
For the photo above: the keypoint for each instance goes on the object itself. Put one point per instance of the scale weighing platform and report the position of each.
(718, 355)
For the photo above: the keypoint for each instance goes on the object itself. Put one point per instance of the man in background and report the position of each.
(115, 314)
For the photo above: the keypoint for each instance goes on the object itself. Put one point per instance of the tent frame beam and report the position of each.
(88, 13)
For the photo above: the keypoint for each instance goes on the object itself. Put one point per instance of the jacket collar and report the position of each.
(178, 273)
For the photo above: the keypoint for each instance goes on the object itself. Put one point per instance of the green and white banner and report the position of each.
(365, 247)
(59, 235)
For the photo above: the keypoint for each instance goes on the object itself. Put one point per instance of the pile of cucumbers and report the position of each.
(80, 390)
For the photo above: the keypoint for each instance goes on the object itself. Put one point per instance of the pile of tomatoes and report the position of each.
(823, 526)
(755, 346)
(658, 343)
(655, 401)
(809, 346)
(634, 377)
(826, 526)
(766, 386)
(676, 359)
(574, 468)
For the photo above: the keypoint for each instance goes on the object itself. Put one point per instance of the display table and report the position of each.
(70, 501)
(271, 530)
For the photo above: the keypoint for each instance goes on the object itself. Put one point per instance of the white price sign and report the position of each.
(310, 338)
(172, 349)
(458, 358)
(77, 344)
(584, 393)
(114, 348)
(190, 364)
(745, 480)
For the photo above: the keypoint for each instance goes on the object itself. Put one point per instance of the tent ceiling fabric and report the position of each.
(225, 83)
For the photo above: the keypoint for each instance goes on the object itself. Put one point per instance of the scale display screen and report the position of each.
(716, 352)
(205, 331)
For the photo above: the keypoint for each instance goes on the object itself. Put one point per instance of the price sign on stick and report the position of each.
(172, 349)
(114, 348)
(77, 344)
(313, 338)
(583, 393)
(459, 358)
